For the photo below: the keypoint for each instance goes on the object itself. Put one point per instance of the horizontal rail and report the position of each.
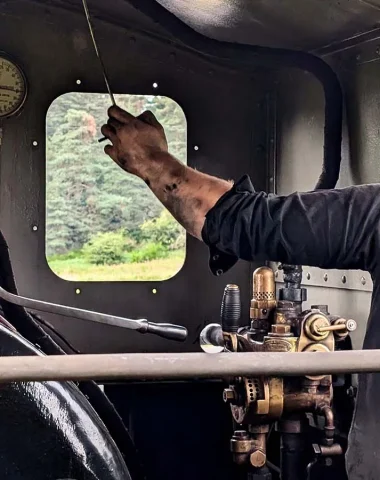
(174, 366)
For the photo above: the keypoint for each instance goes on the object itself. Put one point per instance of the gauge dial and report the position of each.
(12, 87)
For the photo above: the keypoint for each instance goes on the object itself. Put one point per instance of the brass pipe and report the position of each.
(332, 328)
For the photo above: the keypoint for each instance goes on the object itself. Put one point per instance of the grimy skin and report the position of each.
(139, 147)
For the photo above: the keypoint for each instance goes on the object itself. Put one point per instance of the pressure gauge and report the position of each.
(13, 87)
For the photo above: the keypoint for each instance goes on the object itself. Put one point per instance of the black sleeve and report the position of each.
(325, 228)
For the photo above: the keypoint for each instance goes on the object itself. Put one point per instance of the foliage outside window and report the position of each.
(101, 223)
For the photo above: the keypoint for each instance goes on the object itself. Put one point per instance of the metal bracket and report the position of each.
(342, 279)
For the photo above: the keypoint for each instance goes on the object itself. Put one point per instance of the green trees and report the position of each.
(87, 195)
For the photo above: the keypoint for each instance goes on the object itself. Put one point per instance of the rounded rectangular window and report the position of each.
(103, 224)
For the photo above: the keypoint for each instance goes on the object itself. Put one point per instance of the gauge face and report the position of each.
(12, 87)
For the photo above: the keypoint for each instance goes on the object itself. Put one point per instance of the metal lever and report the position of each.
(346, 325)
(164, 330)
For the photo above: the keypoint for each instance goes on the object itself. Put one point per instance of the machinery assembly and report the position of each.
(293, 406)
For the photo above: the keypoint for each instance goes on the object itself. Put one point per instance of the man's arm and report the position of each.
(139, 147)
(330, 229)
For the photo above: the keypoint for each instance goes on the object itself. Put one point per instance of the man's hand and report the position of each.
(136, 141)
(139, 146)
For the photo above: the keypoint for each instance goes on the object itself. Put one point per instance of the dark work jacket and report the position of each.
(327, 229)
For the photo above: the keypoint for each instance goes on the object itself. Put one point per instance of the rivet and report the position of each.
(219, 272)
(78, 82)
(196, 148)
(155, 85)
(344, 279)
(78, 291)
(35, 143)
(325, 277)
(215, 258)
(308, 276)
(363, 281)
(34, 228)
(154, 291)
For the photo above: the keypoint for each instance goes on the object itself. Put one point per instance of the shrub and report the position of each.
(147, 252)
(163, 229)
(107, 248)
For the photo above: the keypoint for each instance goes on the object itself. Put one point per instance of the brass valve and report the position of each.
(318, 327)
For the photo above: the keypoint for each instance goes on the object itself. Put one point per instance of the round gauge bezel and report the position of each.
(15, 63)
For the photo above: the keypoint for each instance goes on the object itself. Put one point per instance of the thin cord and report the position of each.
(87, 13)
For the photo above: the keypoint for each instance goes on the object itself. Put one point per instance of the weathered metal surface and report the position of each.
(57, 52)
(49, 430)
(139, 366)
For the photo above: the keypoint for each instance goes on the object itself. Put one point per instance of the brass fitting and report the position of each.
(315, 327)
(281, 330)
(241, 446)
(258, 459)
(263, 294)
(229, 395)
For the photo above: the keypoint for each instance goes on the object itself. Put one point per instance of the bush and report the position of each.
(107, 248)
(147, 252)
(163, 229)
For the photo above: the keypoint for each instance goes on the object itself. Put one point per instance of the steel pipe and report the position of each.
(164, 330)
(175, 366)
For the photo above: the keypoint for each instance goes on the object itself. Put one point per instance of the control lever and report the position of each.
(164, 330)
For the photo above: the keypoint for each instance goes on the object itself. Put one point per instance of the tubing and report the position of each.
(175, 366)
(293, 465)
(248, 56)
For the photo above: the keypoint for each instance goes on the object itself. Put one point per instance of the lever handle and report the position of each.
(167, 330)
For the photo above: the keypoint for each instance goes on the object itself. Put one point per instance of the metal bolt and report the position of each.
(325, 277)
(363, 281)
(308, 276)
(344, 279)
(258, 459)
(351, 325)
(229, 396)
(219, 272)
(281, 329)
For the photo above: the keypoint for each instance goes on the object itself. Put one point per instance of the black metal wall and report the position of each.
(222, 107)
(299, 153)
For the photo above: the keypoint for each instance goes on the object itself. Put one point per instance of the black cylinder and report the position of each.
(231, 309)
(293, 465)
